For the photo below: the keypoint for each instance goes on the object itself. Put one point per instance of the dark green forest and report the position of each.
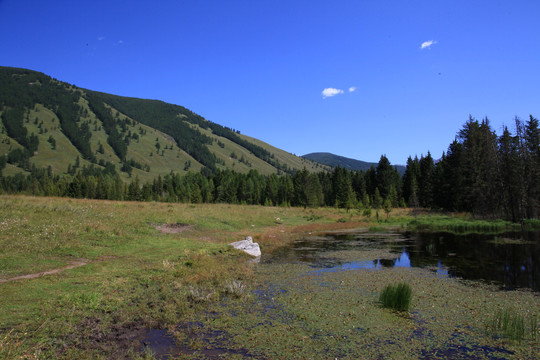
(488, 175)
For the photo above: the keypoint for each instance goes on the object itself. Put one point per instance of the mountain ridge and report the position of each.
(47, 122)
(334, 160)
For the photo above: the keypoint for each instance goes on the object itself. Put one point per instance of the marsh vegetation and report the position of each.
(396, 296)
(144, 293)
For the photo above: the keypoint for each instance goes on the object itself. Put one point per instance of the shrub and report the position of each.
(396, 296)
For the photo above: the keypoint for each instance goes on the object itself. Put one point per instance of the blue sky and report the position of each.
(262, 67)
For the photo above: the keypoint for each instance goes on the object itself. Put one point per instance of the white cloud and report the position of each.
(427, 44)
(352, 89)
(329, 92)
(101, 38)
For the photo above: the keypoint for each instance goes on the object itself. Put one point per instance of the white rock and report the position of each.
(247, 246)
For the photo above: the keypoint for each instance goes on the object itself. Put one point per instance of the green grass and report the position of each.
(459, 224)
(532, 224)
(229, 147)
(65, 152)
(138, 278)
(135, 276)
(284, 157)
(377, 229)
(396, 297)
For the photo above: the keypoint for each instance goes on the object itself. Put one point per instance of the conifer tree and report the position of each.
(425, 180)
(532, 166)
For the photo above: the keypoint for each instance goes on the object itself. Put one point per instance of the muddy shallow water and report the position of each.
(317, 299)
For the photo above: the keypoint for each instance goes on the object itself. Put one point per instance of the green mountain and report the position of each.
(347, 163)
(46, 122)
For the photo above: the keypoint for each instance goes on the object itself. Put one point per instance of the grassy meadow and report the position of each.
(136, 277)
(138, 266)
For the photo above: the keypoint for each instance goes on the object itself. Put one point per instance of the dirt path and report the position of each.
(172, 228)
(73, 264)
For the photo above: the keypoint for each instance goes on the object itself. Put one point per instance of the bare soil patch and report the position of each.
(172, 228)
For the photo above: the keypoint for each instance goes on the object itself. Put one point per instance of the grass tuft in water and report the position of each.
(235, 288)
(199, 294)
(396, 297)
(510, 324)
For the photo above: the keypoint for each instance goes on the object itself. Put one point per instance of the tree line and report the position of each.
(342, 188)
(488, 175)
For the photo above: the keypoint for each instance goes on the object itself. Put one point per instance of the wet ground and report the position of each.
(321, 269)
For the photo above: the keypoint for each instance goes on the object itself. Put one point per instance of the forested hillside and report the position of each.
(59, 140)
(45, 122)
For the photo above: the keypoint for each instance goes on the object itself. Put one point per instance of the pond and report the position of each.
(317, 298)
(511, 260)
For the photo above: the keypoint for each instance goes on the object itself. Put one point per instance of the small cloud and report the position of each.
(352, 89)
(120, 42)
(101, 38)
(329, 92)
(427, 44)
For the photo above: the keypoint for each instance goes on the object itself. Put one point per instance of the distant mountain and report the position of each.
(347, 163)
(46, 122)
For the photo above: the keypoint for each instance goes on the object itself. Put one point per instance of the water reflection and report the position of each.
(403, 260)
(511, 259)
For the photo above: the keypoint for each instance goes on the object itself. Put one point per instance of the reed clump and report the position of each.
(235, 288)
(510, 324)
(396, 297)
(199, 294)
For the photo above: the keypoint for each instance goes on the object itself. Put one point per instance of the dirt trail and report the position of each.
(172, 228)
(73, 264)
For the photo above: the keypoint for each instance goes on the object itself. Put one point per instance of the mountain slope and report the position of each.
(332, 160)
(45, 122)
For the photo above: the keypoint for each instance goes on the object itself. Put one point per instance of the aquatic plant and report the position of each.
(198, 294)
(235, 288)
(509, 323)
(396, 296)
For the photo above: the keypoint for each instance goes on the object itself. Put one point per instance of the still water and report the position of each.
(509, 260)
